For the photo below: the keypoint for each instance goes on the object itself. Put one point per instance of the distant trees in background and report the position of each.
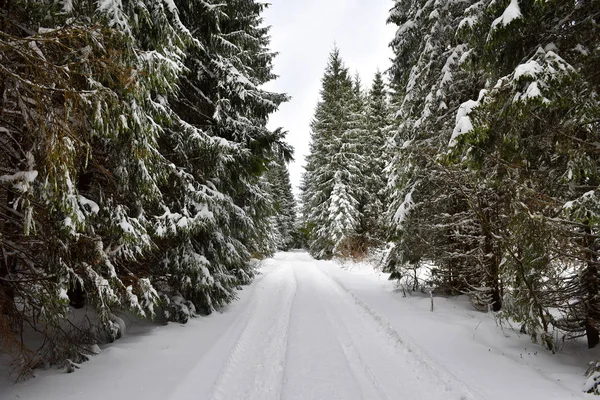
(136, 170)
(490, 143)
(342, 197)
(283, 218)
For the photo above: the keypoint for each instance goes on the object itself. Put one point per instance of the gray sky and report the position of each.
(303, 32)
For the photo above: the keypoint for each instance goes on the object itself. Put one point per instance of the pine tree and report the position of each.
(78, 123)
(359, 135)
(428, 214)
(498, 209)
(331, 194)
(131, 162)
(527, 137)
(218, 214)
(284, 205)
(376, 136)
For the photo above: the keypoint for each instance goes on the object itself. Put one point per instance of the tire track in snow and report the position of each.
(394, 351)
(368, 383)
(200, 380)
(255, 367)
(316, 366)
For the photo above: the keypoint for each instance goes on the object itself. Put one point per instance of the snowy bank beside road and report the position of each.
(496, 360)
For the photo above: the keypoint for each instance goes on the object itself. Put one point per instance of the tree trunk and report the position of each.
(591, 285)
(492, 265)
(7, 262)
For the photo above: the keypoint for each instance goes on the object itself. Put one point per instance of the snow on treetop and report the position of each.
(463, 121)
(512, 12)
(530, 69)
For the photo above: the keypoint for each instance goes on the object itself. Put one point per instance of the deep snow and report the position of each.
(309, 329)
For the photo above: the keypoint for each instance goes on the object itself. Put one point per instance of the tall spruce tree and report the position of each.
(331, 193)
(361, 149)
(428, 215)
(80, 164)
(284, 205)
(375, 153)
(528, 138)
(494, 174)
(218, 213)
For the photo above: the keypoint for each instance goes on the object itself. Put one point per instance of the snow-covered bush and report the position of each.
(592, 384)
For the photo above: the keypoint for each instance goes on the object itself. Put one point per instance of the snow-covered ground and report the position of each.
(309, 329)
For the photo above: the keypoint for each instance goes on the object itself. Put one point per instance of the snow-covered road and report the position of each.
(304, 337)
(303, 330)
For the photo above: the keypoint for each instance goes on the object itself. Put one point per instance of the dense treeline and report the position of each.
(136, 170)
(490, 144)
(342, 200)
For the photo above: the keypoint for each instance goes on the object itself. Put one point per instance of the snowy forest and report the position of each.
(138, 174)
(476, 167)
(136, 170)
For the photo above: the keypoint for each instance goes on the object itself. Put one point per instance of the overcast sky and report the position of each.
(303, 32)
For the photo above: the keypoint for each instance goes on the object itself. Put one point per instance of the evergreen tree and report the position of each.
(528, 139)
(218, 212)
(331, 191)
(358, 134)
(494, 176)
(79, 129)
(284, 205)
(133, 141)
(375, 139)
(428, 214)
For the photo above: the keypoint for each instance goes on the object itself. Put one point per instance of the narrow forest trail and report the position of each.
(305, 337)
(307, 329)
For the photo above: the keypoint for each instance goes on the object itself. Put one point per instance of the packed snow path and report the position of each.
(305, 337)
(307, 329)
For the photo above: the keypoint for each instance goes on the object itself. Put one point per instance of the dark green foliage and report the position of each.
(496, 175)
(284, 205)
(429, 217)
(374, 140)
(343, 190)
(332, 183)
(132, 144)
